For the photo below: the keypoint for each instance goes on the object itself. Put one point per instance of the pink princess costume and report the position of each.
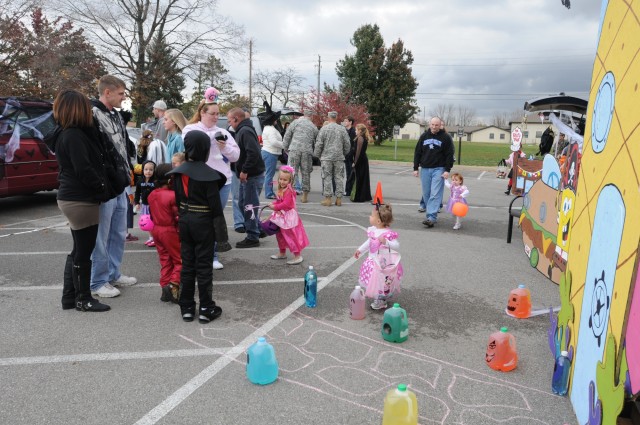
(458, 194)
(378, 273)
(292, 234)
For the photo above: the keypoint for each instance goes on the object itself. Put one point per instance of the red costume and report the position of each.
(164, 213)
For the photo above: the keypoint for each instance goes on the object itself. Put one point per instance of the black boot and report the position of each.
(508, 191)
(208, 314)
(68, 290)
(82, 281)
(188, 313)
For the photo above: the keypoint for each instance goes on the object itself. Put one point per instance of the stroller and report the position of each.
(501, 172)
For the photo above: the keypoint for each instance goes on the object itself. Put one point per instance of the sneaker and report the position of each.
(240, 230)
(421, 210)
(428, 223)
(247, 243)
(207, 314)
(150, 244)
(379, 304)
(457, 226)
(295, 261)
(124, 281)
(278, 257)
(106, 291)
(217, 265)
(131, 238)
(188, 313)
(92, 305)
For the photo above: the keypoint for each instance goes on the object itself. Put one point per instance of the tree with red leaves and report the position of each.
(332, 100)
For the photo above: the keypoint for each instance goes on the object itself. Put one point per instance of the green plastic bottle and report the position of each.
(400, 407)
(395, 325)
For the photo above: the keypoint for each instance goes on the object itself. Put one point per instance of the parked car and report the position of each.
(27, 165)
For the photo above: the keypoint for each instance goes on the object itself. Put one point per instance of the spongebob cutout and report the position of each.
(565, 217)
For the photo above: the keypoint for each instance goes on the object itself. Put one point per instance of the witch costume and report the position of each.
(201, 222)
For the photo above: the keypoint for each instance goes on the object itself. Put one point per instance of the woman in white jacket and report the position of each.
(271, 150)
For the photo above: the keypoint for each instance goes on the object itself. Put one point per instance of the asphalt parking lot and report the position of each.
(141, 364)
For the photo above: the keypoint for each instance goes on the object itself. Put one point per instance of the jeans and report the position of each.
(270, 164)
(250, 204)
(109, 250)
(238, 217)
(224, 197)
(422, 203)
(432, 189)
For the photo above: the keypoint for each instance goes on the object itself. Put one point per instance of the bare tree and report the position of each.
(466, 115)
(281, 84)
(502, 119)
(446, 112)
(123, 31)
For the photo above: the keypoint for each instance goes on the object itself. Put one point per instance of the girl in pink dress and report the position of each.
(459, 193)
(382, 271)
(292, 234)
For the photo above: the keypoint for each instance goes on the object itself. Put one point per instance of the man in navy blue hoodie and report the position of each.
(250, 170)
(434, 155)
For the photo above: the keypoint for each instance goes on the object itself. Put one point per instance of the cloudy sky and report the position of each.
(491, 56)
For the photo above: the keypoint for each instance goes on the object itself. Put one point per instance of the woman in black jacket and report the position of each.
(83, 185)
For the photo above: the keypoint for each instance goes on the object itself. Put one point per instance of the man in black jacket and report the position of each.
(250, 170)
(434, 155)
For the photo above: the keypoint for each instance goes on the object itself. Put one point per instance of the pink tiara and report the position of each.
(288, 169)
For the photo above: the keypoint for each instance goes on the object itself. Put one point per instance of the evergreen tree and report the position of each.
(380, 79)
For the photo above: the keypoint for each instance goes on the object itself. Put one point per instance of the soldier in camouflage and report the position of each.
(332, 145)
(298, 141)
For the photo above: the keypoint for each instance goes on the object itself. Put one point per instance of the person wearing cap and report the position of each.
(298, 142)
(157, 125)
(201, 222)
(332, 145)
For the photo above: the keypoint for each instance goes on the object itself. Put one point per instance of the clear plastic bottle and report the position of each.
(560, 380)
(310, 287)
(356, 304)
(262, 366)
(400, 407)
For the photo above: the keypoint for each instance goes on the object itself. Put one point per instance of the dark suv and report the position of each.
(26, 163)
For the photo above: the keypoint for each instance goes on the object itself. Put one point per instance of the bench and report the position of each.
(514, 212)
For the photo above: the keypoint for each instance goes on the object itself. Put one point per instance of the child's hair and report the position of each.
(145, 140)
(287, 170)
(178, 157)
(459, 176)
(386, 214)
(162, 179)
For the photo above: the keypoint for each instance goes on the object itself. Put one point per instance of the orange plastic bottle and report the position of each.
(519, 303)
(501, 351)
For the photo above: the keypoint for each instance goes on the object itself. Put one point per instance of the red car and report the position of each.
(27, 165)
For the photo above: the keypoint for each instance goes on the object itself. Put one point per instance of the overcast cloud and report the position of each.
(491, 56)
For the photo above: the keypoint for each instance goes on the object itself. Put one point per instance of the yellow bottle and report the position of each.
(400, 407)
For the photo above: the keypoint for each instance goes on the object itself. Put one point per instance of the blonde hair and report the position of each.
(177, 117)
(178, 157)
(386, 214)
(203, 105)
(362, 129)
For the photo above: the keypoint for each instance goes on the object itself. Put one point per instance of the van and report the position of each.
(27, 165)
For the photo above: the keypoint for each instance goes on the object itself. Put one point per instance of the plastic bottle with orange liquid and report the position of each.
(519, 303)
(501, 351)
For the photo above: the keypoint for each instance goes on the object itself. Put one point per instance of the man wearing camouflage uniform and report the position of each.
(298, 142)
(332, 145)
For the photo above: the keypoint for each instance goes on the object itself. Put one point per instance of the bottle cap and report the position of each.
(504, 329)
(310, 267)
(564, 353)
(521, 286)
(262, 339)
(357, 287)
(396, 305)
(402, 387)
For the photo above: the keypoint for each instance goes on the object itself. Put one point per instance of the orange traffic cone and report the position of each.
(377, 199)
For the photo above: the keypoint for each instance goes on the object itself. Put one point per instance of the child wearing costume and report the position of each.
(459, 193)
(144, 186)
(164, 212)
(292, 234)
(382, 271)
(201, 223)
(516, 152)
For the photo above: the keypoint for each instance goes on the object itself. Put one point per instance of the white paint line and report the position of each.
(153, 251)
(155, 284)
(35, 230)
(31, 221)
(404, 171)
(482, 174)
(97, 357)
(162, 409)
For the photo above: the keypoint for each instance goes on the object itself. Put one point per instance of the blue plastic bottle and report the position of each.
(262, 366)
(310, 287)
(560, 381)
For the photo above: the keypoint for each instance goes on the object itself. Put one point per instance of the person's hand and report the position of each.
(382, 239)
(243, 177)
(415, 173)
(357, 254)
(445, 175)
(270, 205)
(221, 144)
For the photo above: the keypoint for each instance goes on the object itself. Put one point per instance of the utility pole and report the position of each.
(318, 99)
(250, 74)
